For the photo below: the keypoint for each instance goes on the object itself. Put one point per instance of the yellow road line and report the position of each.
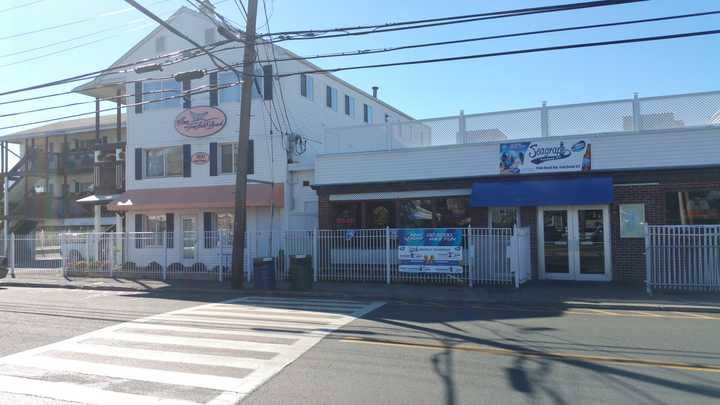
(537, 354)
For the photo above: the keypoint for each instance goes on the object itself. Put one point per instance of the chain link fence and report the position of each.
(635, 114)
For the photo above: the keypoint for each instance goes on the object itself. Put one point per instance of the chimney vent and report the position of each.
(375, 90)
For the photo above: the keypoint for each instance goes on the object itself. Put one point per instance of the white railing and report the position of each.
(490, 256)
(682, 257)
(694, 110)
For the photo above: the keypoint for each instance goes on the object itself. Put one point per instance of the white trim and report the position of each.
(394, 195)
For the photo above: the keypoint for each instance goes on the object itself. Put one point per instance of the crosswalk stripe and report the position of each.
(201, 342)
(304, 304)
(270, 311)
(283, 318)
(217, 336)
(112, 344)
(318, 300)
(132, 373)
(63, 391)
(278, 308)
(206, 329)
(144, 354)
(194, 319)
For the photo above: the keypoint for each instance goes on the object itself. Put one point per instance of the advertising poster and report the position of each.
(545, 157)
(438, 250)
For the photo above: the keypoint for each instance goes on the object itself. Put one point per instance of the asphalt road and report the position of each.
(423, 353)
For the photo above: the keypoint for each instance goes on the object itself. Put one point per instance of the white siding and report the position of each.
(651, 149)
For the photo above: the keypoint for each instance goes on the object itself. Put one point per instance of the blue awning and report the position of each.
(530, 193)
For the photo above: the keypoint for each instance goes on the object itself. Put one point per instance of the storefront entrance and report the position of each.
(574, 243)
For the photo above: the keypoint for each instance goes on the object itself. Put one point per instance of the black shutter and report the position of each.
(267, 82)
(251, 157)
(170, 226)
(213, 158)
(207, 228)
(303, 85)
(187, 160)
(138, 228)
(186, 96)
(138, 164)
(138, 98)
(213, 89)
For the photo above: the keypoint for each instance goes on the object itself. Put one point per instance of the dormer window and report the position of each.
(160, 45)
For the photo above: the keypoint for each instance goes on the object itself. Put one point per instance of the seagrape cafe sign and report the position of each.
(545, 156)
(199, 122)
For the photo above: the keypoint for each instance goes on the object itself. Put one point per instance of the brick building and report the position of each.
(585, 191)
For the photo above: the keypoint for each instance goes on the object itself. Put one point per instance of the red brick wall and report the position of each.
(646, 187)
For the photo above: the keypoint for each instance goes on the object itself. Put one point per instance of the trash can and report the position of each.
(301, 272)
(3, 266)
(264, 273)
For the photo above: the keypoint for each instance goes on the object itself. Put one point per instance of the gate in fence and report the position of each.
(487, 256)
(682, 257)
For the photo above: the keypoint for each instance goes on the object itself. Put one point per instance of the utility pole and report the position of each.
(238, 251)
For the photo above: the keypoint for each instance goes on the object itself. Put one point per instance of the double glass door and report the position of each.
(574, 243)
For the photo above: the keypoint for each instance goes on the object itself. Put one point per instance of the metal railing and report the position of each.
(490, 256)
(682, 257)
(694, 110)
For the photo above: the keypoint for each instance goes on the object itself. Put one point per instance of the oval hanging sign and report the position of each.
(199, 122)
(200, 158)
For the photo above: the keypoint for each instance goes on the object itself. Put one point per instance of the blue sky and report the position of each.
(667, 67)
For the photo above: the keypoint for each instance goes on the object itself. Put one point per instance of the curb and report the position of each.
(559, 305)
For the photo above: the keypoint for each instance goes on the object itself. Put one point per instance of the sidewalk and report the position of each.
(533, 294)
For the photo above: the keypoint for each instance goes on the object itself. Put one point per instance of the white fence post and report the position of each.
(515, 255)
(648, 261)
(387, 255)
(165, 250)
(12, 254)
(315, 236)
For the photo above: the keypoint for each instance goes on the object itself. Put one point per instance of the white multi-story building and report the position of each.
(181, 153)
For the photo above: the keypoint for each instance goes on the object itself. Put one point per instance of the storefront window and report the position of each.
(416, 213)
(379, 214)
(693, 207)
(503, 217)
(347, 216)
(452, 212)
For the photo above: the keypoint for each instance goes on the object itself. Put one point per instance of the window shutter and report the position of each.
(268, 82)
(138, 228)
(138, 164)
(187, 160)
(170, 226)
(213, 89)
(138, 98)
(213, 159)
(251, 157)
(303, 85)
(187, 103)
(207, 227)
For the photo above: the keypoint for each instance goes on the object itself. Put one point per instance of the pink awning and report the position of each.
(258, 195)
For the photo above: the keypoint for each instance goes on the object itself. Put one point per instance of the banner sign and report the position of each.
(199, 122)
(437, 250)
(545, 157)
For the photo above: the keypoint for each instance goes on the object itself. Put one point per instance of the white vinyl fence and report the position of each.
(682, 257)
(490, 256)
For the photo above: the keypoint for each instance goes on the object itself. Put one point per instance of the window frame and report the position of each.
(234, 159)
(165, 86)
(164, 150)
(490, 216)
(156, 238)
(331, 98)
(350, 106)
(367, 113)
(307, 83)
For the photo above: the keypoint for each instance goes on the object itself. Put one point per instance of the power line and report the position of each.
(21, 5)
(180, 94)
(434, 22)
(363, 52)
(514, 52)
(220, 43)
(74, 22)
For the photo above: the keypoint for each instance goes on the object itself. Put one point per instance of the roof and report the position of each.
(208, 197)
(66, 127)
